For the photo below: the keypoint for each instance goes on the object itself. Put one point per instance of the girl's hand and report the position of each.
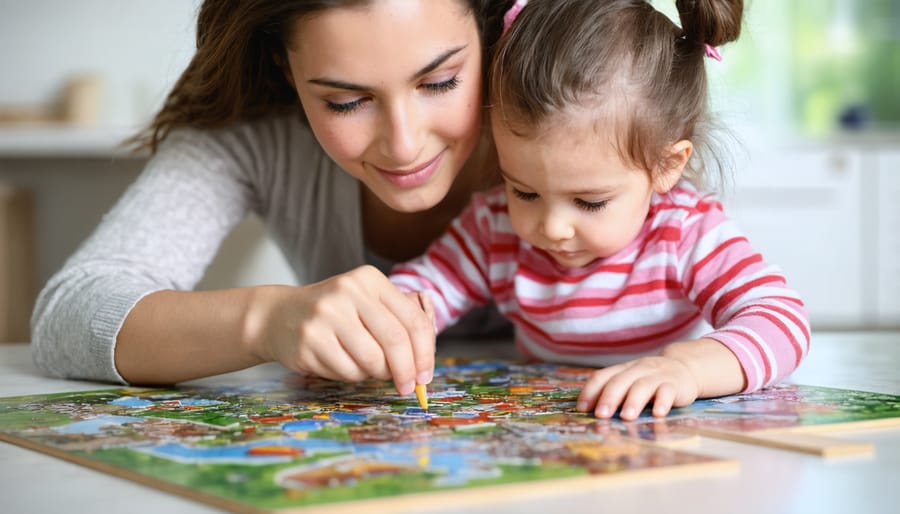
(632, 385)
(683, 372)
(350, 327)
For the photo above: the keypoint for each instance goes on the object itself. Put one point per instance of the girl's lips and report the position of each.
(413, 177)
(565, 253)
(573, 259)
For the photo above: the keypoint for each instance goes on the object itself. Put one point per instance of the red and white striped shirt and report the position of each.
(688, 269)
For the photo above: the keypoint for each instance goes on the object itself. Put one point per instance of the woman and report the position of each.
(352, 128)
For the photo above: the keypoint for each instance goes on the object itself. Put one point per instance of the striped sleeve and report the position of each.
(454, 270)
(747, 301)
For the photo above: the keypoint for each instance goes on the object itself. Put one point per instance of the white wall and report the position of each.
(137, 47)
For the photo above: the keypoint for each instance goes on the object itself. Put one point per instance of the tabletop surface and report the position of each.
(769, 480)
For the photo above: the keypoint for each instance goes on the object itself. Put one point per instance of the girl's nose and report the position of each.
(556, 228)
(401, 136)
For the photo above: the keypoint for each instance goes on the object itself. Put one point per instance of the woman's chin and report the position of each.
(413, 200)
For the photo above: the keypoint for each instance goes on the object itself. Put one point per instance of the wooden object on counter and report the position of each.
(77, 104)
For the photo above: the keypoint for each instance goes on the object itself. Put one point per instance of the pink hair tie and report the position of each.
(711, 51)
(512, 13)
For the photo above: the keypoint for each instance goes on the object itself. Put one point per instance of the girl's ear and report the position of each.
(668, 171)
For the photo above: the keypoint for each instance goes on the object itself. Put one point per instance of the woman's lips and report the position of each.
(412, 177)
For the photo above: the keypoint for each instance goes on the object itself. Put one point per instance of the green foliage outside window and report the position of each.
(845, 60)
(800, 65)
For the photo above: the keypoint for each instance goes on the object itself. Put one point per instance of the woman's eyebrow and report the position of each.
(340, 84)
(437, 62)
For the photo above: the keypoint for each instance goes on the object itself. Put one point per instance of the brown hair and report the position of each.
(642, 75)
(236, 75)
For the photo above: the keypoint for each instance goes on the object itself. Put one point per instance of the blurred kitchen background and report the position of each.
(811, 94)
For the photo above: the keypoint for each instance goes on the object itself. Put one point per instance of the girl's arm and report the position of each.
(761, 329)
(753, 311)
(454, 271)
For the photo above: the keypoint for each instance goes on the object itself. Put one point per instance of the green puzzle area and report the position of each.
(307, 441)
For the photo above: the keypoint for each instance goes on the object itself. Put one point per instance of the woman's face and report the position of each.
(392, 91)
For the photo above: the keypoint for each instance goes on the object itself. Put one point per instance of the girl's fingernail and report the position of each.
(424, 377)
(603, 411)
(582, 406)
(628, 412)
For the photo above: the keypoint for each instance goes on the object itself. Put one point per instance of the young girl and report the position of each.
(352, 128)
(600, 248)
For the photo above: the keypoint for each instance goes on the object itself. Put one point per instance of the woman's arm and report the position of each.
(350, 327)
(124, 299)
(173, 336)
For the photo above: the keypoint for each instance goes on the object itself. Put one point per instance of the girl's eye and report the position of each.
(590, 206)
(344, 108)
(524, 196)
(442, 87)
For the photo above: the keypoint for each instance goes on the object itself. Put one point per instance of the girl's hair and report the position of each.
(625, 65)
(238, 71)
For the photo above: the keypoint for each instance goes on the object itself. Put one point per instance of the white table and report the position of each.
(769, 480)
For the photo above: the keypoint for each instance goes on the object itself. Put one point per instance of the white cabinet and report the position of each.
(887, 240)
(802, 209)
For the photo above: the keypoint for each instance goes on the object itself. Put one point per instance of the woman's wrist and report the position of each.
(261, 305)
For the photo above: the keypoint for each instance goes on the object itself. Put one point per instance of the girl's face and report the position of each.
(571, 195)
(392, 91)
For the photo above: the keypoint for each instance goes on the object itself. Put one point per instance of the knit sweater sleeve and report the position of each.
(747, 301)
(161, 234)
(454, 270)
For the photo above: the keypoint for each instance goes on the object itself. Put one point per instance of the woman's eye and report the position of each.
(521, 195)
(590, 206)
(346, 107)
(431, 87)
(442, 87)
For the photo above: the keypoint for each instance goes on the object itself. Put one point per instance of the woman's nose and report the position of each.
(401, 137)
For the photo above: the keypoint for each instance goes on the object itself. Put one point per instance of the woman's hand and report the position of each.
(350, 327)
(683, 372)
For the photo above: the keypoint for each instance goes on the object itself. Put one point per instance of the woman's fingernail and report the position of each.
(582, 406)
(406, 388)
(603, 411)
(628, 412)
(424, 377)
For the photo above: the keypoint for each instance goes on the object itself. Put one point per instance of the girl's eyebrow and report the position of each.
(340, 84)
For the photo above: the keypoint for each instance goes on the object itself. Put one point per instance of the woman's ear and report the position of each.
(668, 171)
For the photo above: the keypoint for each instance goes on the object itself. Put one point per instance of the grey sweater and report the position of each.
(168, 225)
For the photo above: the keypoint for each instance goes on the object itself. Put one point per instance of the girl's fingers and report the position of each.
(615, 391)
(587, 399)
(639, 395)
(664, 399)
(631, 386)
